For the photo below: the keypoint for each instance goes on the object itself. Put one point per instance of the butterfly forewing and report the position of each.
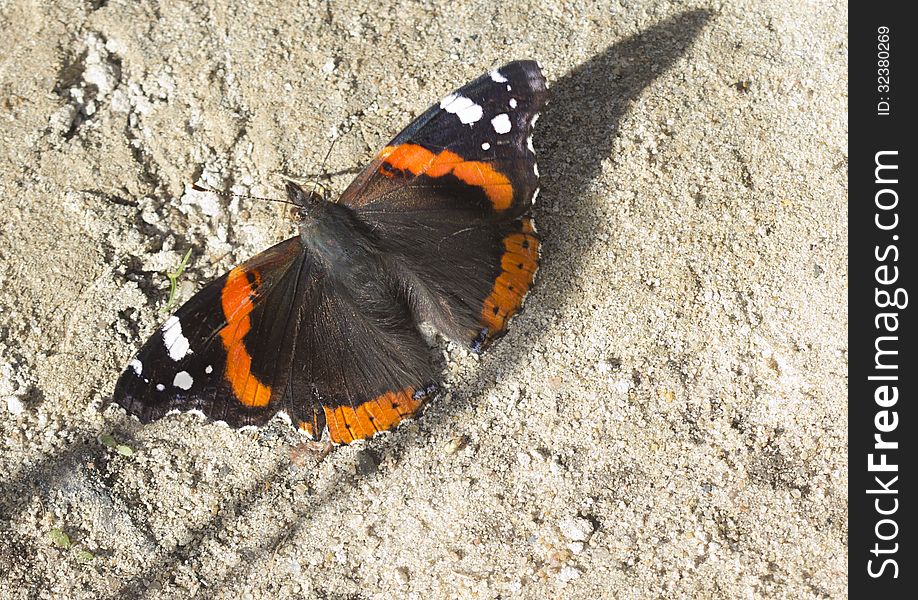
(197, 360)
(472, 148)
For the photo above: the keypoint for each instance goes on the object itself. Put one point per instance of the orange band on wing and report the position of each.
(308, 428)
(421, 161)
(236, 298)
(519, 264)
(346, 424)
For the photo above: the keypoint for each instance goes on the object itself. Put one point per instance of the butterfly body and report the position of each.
(336, 238)
(327, 327)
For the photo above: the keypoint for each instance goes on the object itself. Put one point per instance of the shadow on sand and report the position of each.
(593, 98)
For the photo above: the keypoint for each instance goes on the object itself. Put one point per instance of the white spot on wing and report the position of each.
(137, 366)
(209, 369)
(535, 169)
(512, 102)
(509, 87)
(177, 345)
(535, 118)
(467, 111)
(529, 144)
(486, 146)
(497, 77)
(501, 123)
(160, 387)
(183, 380)
(535, 195)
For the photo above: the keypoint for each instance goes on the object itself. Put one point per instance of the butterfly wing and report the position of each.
(473, 148)
(360, 357)
(451, 195)
(202, 356)
(282, 333)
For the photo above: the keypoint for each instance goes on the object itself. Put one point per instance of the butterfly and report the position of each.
(327, 328)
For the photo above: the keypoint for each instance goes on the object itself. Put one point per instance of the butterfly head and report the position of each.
(305, 200)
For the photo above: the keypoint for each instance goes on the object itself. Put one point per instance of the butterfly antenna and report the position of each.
(201, 188)
(315, 183)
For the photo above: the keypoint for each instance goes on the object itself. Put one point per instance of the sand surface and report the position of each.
(667, 418)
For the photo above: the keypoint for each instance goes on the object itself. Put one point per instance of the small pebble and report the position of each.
(402, 576)
(576, 529)
(455, 444)
(14, 405)
(367, 462)
(555, 467)
(568, 574)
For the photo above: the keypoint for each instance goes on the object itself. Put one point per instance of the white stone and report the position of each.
(523, 459)
(14, 405)
(555, 467)
(568, 574)
(576, 529)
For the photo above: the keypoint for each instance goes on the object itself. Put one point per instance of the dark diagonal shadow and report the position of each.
(260, 495)
(575, 135)
(160, 570)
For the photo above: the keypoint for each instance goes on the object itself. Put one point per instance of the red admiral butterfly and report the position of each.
(324, 327)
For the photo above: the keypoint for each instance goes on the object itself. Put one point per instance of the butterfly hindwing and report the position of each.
(360, 357)
(468, 275)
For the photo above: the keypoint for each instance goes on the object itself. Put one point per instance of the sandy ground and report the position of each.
(666, 419)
